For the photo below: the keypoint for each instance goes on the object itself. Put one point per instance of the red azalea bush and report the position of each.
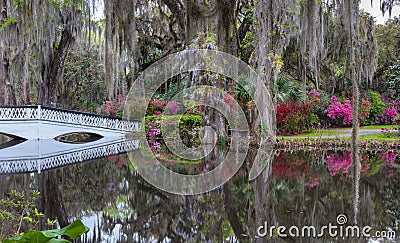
(296, 117)
(289, 166)
(365, 110)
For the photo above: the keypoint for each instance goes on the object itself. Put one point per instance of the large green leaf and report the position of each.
(73, 231)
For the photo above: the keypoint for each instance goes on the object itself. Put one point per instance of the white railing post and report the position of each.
(39, 112)
(39, 166)
(38, 117)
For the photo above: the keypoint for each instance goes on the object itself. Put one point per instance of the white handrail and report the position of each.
(85, 119)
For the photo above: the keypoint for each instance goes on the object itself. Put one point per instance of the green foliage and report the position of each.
(319, 109)
(188, 121)
(298, 122)
(246, 45)
(191, 121)
(288, 90)
(377, 106)
(173, 89)
(394, 78)
(387, 39)
(18, 212)
(73, 231)
(188, 127)
(7, 22)
(83, 86)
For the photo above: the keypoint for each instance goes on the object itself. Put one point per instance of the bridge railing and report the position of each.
(79, 156)
(66, 116)
(18, 112)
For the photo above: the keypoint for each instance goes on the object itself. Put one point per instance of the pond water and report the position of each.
(298, 188)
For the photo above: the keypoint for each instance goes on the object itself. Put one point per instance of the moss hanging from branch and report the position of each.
(39, 40)
(120, 33)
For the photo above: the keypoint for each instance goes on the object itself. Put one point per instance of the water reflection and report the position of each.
(46, 154)
(297, 188)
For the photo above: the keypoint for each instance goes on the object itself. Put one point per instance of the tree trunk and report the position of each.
(233, 217)
(353, 34)
(52, 202)
(27, 85)
(109, 64)
(9, 94)
(51, 75)
(178, 12)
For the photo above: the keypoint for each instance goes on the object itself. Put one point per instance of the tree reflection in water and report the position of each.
(298, 188)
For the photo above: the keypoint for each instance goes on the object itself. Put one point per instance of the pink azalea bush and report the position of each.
(340, 110)
(114, 107)
(390, 114)
(389, 109)
(313, 92)
(313, 182)
(158, 107)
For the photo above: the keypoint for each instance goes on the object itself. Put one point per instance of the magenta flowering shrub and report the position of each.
(339, 163)
(313, 182)
(390, 114)
(340, 111)
(189, 127)
(391, 166)
(387, 157)
(158, 107)
(114, 107)
(313, 92)
(172, 108)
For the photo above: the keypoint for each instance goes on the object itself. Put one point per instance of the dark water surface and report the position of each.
(298, 189)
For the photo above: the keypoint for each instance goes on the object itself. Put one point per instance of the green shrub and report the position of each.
(189, 125)
(377, 107)
(72, 231)
(298, 122)
(19, 217)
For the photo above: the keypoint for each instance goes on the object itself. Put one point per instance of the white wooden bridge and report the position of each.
(39, 122)
(35, 129)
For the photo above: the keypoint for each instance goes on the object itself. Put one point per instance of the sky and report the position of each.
(376, 12)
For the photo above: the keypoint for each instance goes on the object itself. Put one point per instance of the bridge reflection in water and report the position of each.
(40, 155)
